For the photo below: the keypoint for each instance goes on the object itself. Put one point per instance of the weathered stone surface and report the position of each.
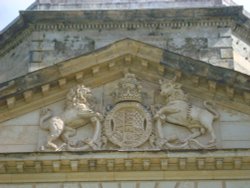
(241, 55)
(209, 184)
(42, 46)
(231, 131)
(241, 184)
(121, 4)
(47, 79)
(220, 42)
(210, 103)
(235, 131)
(226, 53)
(10, 68)
(55, 41)
(128, 184)
(225, 32)
(109, 185)
(23, 138)
(135, 184)
(36, 56)
(167, 184)
(48, 185)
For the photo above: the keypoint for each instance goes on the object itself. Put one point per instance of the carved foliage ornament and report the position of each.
(129, 125)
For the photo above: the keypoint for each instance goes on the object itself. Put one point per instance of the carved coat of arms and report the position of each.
(128, 124)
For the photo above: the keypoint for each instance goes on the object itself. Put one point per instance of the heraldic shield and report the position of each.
(128, 124)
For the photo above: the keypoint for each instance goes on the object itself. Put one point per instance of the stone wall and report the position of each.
(213, 45)
(16, 62)
(45, 48)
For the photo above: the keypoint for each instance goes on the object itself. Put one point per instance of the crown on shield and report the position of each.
(129, 89)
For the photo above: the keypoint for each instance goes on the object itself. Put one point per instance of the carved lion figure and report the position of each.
(178, 110)
(77, 113)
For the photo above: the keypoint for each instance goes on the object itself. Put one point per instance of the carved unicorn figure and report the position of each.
(178, 110)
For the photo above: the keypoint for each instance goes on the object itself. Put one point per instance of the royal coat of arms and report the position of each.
(128, 124)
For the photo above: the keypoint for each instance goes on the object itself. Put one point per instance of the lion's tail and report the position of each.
(210, 107)
(45, 115)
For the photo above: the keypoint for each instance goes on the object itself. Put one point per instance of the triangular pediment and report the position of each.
(125, 76)
(127, 113)
(108, 64)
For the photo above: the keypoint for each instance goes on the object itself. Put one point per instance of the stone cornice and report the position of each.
(242, 28)
(130, 15)
(135, 24)
(49, 85)
(127, 19)
(30, 21)
(215, 164)
(122, 4)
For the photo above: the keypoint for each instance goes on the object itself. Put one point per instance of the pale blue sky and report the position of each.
(9, 9)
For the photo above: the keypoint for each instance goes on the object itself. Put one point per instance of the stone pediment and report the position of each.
(109, 63)
(194, 106)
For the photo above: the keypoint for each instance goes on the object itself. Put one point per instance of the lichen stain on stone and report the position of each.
(60, 46)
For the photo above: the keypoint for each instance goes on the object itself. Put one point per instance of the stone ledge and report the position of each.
(130, 15)
(170, 162)
(124, 176)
